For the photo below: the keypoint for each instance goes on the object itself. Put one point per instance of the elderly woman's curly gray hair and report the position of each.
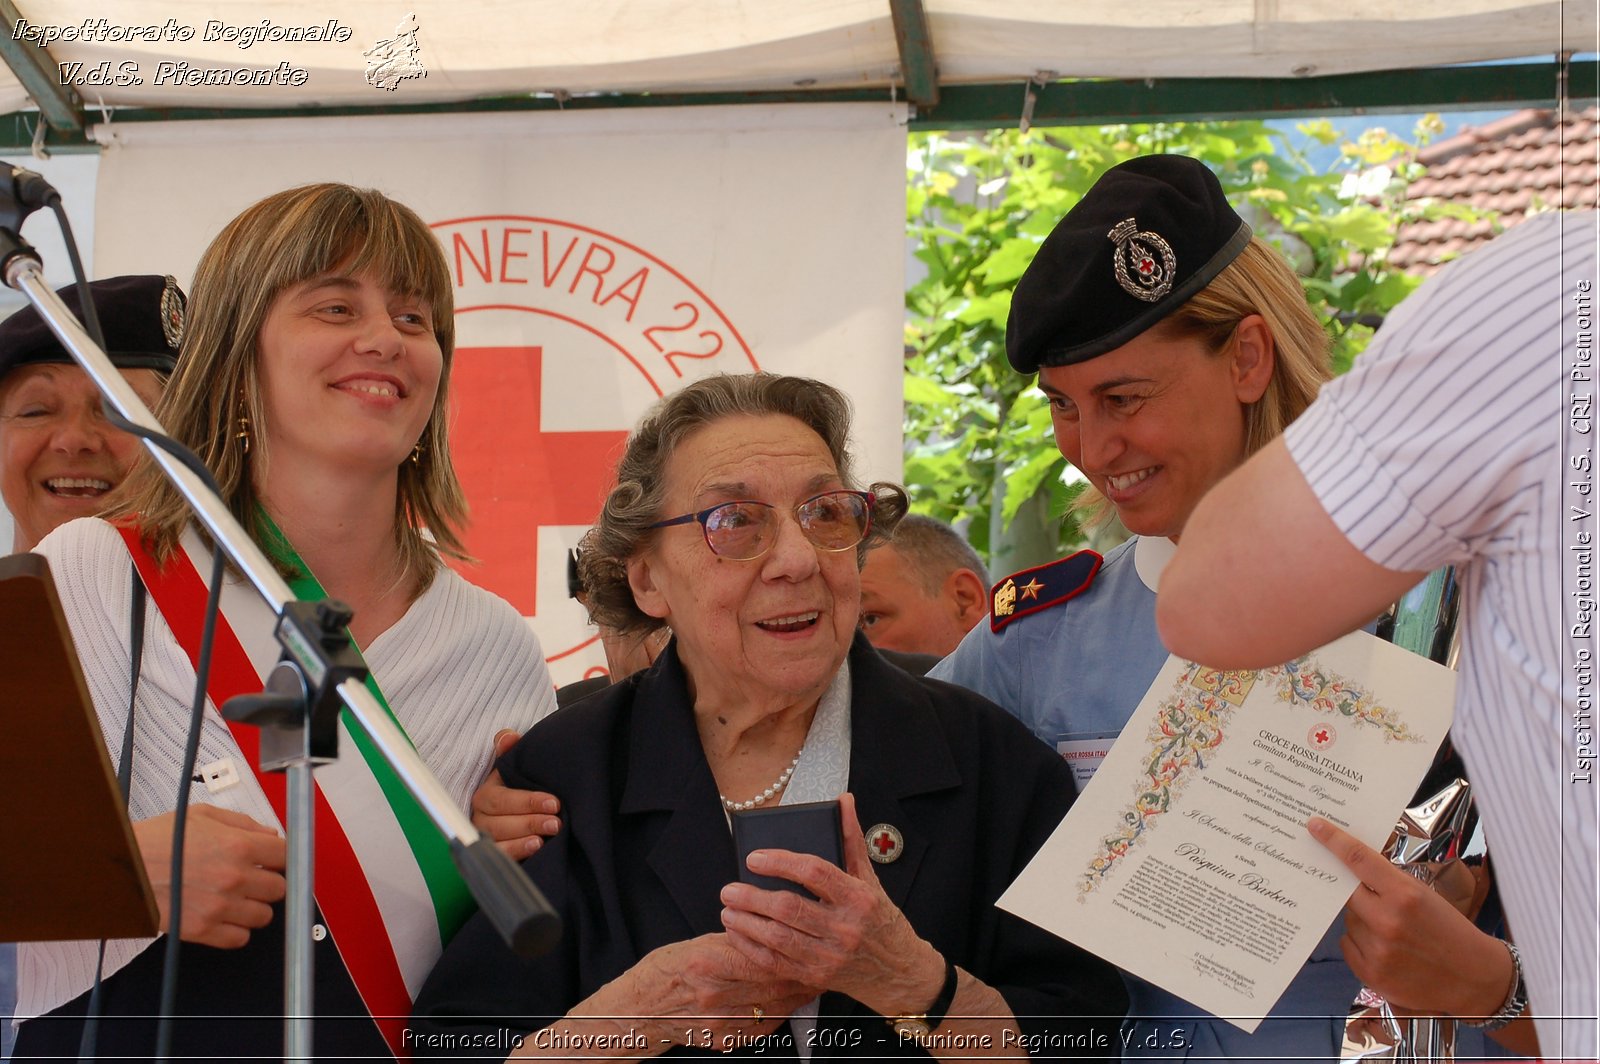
(635, 503)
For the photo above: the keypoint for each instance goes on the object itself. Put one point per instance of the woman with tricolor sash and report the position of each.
(313, 382)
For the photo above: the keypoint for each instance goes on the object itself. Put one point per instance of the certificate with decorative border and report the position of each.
(1186, 860)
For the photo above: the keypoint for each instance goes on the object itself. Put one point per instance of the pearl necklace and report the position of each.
(777, 785)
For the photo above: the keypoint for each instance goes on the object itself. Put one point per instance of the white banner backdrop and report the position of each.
(601, 259)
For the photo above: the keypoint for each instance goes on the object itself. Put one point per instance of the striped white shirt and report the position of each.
(1463, 436)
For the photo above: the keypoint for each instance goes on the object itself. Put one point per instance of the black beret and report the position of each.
(142, 316)
(1151, 233)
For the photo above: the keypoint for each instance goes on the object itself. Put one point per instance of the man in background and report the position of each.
(922, 592)
(625, 654)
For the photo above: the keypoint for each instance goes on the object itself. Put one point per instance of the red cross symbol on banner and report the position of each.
(1322, 735)
(516, 476)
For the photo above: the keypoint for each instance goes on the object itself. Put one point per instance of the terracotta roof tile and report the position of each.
(1526, 161)
(1515, 203)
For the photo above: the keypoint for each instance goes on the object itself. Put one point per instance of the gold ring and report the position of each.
(759, 1013)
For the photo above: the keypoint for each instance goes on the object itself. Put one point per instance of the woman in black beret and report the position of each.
(1171, 343)
(59, 457)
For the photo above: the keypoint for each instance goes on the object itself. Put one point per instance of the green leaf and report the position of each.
(1009, 262)
(1355, 290)
(928, 394)
(924, 468)
(991, 309)
(1039, 223)
(1321, 131)
(916, 201)
(1394, 287)
(1361, 226)
(1022, 484)
(1316, 287)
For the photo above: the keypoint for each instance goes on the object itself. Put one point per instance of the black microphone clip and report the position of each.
(21, 193)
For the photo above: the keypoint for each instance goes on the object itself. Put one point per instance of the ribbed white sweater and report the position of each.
(459, 666)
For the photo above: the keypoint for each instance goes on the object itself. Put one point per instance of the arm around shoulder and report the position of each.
(1262, 573)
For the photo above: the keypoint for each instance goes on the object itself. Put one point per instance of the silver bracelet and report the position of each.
(1516, 1002)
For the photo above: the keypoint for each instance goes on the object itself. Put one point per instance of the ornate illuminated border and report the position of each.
(1192, 721)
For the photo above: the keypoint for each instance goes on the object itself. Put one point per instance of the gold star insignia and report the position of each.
(1031, 590)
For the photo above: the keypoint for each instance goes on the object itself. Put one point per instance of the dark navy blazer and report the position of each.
(645, 850)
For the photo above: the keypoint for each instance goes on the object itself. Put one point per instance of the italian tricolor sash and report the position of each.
(388, 891)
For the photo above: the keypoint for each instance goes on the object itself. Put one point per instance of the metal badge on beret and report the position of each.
(1137, 270)
(173, 321)
(885, 844)
(142, 316)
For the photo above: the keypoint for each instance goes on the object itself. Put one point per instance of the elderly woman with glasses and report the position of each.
(736, 522)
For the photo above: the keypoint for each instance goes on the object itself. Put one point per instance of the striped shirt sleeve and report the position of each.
(1431, 448)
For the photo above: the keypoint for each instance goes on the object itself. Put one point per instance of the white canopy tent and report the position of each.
(473, 49)
(81, 75)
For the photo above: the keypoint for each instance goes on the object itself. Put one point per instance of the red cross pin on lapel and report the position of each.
(885, 844)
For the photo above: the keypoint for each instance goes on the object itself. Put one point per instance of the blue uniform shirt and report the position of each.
(1078, 668)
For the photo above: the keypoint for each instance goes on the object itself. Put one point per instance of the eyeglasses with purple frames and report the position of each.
(745, 530)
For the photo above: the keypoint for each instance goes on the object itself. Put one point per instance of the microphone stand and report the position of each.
(319, 673)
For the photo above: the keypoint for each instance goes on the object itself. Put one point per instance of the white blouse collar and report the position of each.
(1150, 557)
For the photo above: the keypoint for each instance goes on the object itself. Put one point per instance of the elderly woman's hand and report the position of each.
(852, 939)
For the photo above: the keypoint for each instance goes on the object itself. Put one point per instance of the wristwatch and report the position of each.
(916, 1027)
(1516, 1002)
